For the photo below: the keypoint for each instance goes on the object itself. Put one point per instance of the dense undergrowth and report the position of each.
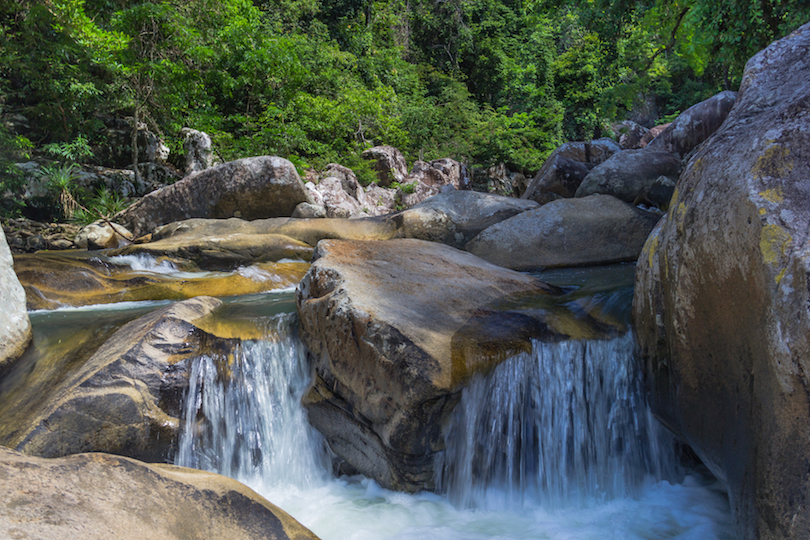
(317, 81)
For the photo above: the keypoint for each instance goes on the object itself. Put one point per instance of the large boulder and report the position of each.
(599, 229)
(455, 217)
(559, 177)
(629, 173)
(694, 125)
(15, 328)
(629, 134)
(721, 303)
(199, 154)
(389, 163)
(125, 399)
(99, 496)
(395, 330)
(249, 188)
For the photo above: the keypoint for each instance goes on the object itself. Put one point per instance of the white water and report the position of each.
(578, 470)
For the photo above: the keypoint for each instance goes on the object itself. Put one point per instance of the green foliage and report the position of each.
(104, 205)
(76, 150)
(60, 179)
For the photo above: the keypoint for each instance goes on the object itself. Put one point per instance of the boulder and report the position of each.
(559, 177)
(415, 192)
(20, 232)
(395, 330)
(599, 229)
(15, 328)
(694, 125)
(658, 194)
(455, 217)
(390, 164)
(100, 496)
(308, 211)
(250, 188)
(125, 399)
(652, 134)
(629, 134)
(594, 152)
(53, 280)
(380, 201)
(451, 169)
(102, 235)
(336, 201)
(721, 303)
(628, 173)
(198, 151)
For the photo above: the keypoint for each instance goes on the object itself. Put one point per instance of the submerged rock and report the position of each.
(124, 399)
(599, 229)
(53, 280)
(396, 329)
(250, 188)
(721, 303)
(15, 328)
(99, 496)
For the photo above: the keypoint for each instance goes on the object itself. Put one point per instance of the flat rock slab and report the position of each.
(599, 229)
(396, 329)
(100, 496)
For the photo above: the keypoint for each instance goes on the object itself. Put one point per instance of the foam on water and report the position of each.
(243, 418)
(145, 263)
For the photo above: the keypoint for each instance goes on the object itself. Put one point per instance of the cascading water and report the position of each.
(243, 416)
(561, 425)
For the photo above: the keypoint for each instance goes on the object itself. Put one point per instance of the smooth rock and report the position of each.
(125, 399)
(100, 496)
(15, 327)
(694, 125)
(309, 211)
(395, 330)
(626, 174)
(250, 188)
(599, 229)
(629, 134)
(559, 177)
(455, 217)
(721, 303)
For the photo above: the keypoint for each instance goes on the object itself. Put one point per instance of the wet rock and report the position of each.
(15, 328)
(721, 303)
(54, 280)
(599, 229)
(625, 175)
(124, 399)
(395, 330)
(250, 188)
(390, 164)
(99, 496)
(694, 125)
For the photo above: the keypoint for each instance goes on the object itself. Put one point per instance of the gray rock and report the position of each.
(308, 211)
(199, 154)
(628, 173)
(455, 217)
(390, 164)
(694, 125)
(599, 229)
(629, 134)
(721, 303)
(15, 328)
(250, 188)
(652, 134)
(559, 177)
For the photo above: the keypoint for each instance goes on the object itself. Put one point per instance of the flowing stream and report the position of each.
(554, 444)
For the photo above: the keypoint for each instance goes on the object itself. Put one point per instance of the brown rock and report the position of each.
(99, 496)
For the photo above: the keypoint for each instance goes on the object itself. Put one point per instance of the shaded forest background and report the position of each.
(318, 81)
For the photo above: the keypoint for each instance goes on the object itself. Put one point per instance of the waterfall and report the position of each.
(243, 416)
(565, 424)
